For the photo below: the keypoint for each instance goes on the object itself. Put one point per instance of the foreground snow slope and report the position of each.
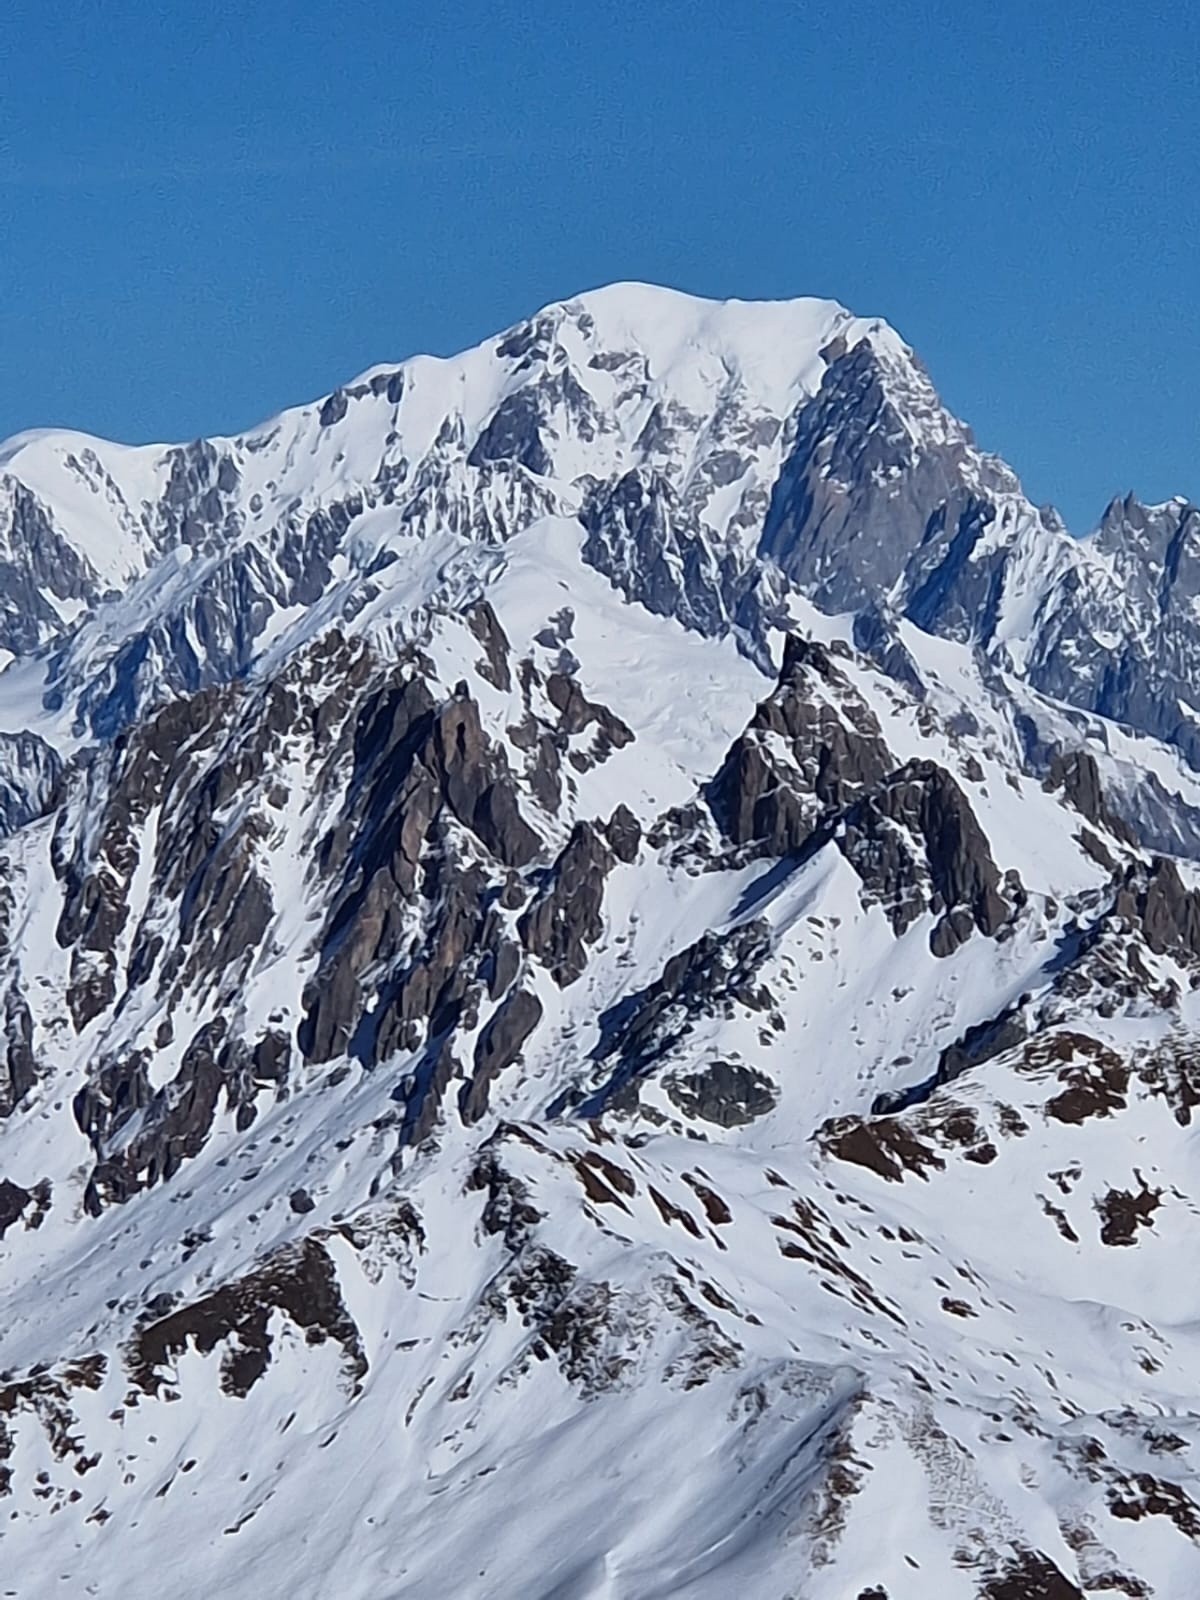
(599, 949)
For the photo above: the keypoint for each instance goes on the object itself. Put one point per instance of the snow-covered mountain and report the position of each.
(599, 944)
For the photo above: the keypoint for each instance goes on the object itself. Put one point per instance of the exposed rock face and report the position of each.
(169, 1125)
(576, 712)
(1121, 641)
(1079, 778)
(676, 573)
(624, 834)
(916, 844)
(709, 978)
(1156, 901)
(412, 914)
(812, 747)
(485, 625)
(877, 636)
(512, 435)
(38, 567)
(417, 766)
(13, 1200)
(853, 504)
(980, 1043)
(814, 765)
(566, 915)
(133, 778)
(726, 1093)
(18, 1063)
(298, 1282)
(30, 771)
(499, 1046)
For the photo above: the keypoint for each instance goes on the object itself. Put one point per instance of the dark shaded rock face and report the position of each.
(576, 712)
(857, 495)
(624, 834)
(13, 1201)
(566, 915)
(1155, 900)
(979, 1043)
(1076, 774)
(811, 748)
(642, 538)
(508, 1210)
(42, 561)
(917, 845)
(513, 434)
(485, 625)
(982, 1042)
(550, 734)
(1030, 1575)
(475, 784)
(29, 774)
(876, 635)
(177, 806)
(499, 1046)
(134, 778)
(427, 849)
(409, 943)
(18, 1064)
(172, 1123)
(726, 1093)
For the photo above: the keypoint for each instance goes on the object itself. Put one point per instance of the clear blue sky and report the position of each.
(210, 211)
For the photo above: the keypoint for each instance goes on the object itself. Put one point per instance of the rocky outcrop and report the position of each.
(916, 845)
(624, 834)
(558, 715)
(29, 776)
(876, 634)
(1121, 638)
(858, 493)
(811, 749)
(38, 566)
(728, 1094)
(513, 434)
(18, 1061)
(1075, 772)
(96, 863)
(710, 978)
(1155, 900)
(566, 915)
(485, 625)
(576, 713)
(142, 1136)
(651, 546)
(410, 943)
(498, 1047)
(297, 1282)
(13, 1201)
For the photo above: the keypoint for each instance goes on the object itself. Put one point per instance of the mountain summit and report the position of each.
(599, 944)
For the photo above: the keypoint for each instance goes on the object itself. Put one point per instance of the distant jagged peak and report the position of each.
(1129, 512)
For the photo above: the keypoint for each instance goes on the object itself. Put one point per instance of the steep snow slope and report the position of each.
(539, 1061)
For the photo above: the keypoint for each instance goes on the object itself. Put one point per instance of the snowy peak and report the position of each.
(626, 394)
(610, 926)
(717, 459)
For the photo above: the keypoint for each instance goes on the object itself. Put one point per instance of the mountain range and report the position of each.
(600, 948)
